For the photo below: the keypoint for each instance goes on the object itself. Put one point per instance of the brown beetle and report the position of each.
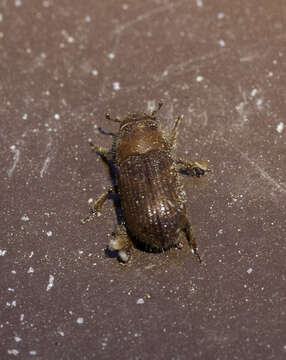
(148, 184)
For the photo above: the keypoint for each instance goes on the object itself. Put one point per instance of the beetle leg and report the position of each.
(194, 167)
(160, 104)
(97, 206)
(102, 151)
(174, 132)
(192, 242)
(122, 243)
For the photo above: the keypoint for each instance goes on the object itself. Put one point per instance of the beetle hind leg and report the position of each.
(121, 243)
(192, 242)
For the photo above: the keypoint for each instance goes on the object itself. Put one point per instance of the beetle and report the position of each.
(149, 186)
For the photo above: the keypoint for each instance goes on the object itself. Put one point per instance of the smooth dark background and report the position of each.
(221, 64)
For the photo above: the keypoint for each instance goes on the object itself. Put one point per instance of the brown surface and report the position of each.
(233, 307)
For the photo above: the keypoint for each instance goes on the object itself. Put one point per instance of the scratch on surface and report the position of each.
(45, 166)
(47, 160)
(281, 187)
(16, 158)
(264, 174)
(144, 16)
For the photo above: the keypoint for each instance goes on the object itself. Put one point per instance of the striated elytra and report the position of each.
(149, 186)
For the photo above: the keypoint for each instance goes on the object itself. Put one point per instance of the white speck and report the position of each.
(280, 127)
(11, 290)
(220, 15)
(199, 3)
(11, 304)
(222, 43)
(31, 254)
(125, 6)
(270, 74)
(274, 62)
(80, 252)
(151, 105)
(220, 231)
(199, 78)
(284, 347)
(46, 3)
(30, 270)
(16, 158)
(249, 270)
(25, 218)
(61, 333)
(90, 201)
(17, 339)
(13, 272)
(13, 352)
(3, 252)
(18, 3)
(87, 19)
(1, 17)
(51, 282)
(22, 317)
(80, 320)
(259, 103)
(165, 73)
(111, 56)
(140, 301)
(57, 116)
(94, 72)
(25, 117)
(116, 86)
(253, 92)
(49, 233)
(33, 352)
(70, 39)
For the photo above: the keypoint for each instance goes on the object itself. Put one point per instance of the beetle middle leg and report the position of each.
(97, 206)
(192, 242)
(194, 167)
(122, 243)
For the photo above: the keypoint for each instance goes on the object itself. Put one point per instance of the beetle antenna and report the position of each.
(160, 104)
(108, 117)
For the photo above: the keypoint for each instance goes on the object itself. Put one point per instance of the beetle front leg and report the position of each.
(174, 132)
(121, 243)
(194, 167)
(97, 206)
(102, 151)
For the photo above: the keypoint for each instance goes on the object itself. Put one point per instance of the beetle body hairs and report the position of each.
(149, 186)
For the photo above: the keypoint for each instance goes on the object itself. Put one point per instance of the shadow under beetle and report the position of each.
(148, 184)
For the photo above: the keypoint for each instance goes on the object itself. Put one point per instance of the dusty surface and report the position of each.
(62, 65)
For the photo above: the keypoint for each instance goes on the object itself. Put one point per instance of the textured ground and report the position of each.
(63, 64)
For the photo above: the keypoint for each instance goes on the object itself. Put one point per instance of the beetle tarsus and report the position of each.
(95, 211)
(121, 243)
(192, 242)
(194, 167)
